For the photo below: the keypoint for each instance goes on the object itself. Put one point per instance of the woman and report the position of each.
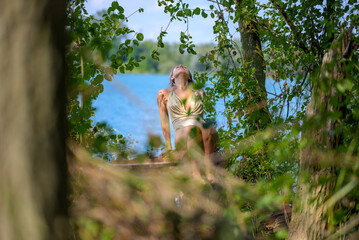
(184, 105)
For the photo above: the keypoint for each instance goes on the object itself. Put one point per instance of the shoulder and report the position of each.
(162, 96)
(164, 92)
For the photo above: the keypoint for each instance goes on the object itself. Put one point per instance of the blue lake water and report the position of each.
(129, 105)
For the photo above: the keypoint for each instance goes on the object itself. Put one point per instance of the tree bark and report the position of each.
(316, 159)
(33, 173)
(257, 113)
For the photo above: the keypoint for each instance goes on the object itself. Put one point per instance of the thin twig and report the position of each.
(126, 18)
(168, 25)
(287, 110)
(281, 109)
(274, 94)
(222, 20)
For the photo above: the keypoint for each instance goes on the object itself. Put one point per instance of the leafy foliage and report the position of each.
(109, 145)
(90, 62)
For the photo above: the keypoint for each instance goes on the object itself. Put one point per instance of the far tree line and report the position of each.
(169, 57)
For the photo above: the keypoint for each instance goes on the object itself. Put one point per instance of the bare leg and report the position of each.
(210, 137)
(190, 139)
(194, 151)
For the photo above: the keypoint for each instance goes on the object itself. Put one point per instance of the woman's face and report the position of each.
(178, 69)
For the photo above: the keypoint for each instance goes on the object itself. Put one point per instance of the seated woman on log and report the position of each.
(185, 107)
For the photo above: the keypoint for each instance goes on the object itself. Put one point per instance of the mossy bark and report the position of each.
(317, 173)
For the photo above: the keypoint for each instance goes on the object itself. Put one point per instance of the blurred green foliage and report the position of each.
(166, 203)
(109, 145)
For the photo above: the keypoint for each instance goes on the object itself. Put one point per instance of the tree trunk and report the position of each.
(257, 111)
(316, 158)
(33, 173)
(257, 114)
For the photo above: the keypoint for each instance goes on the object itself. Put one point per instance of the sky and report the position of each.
(153, 18)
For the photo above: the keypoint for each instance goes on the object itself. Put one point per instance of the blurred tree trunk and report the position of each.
(33, 173)
(317, 175)
(257, 114)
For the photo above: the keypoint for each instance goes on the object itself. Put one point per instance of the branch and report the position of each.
(264, 6)
(351, 45)
(315, 46)
(278, 96)
(265, 26)
(215, 1)
(126, 18)
(168, 25)
(223, 21)
(292, 26)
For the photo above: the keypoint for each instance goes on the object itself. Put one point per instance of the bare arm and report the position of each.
(165, 124)
(203, 93)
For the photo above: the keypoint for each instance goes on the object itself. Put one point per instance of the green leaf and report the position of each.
(197, 11)
(181, 48)
(120, 9)
(130, 49)
(110, 9)
(188, 12)
(98, 79)
(204, 14)
(114, 4)
(179, 14)
(139, 36)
